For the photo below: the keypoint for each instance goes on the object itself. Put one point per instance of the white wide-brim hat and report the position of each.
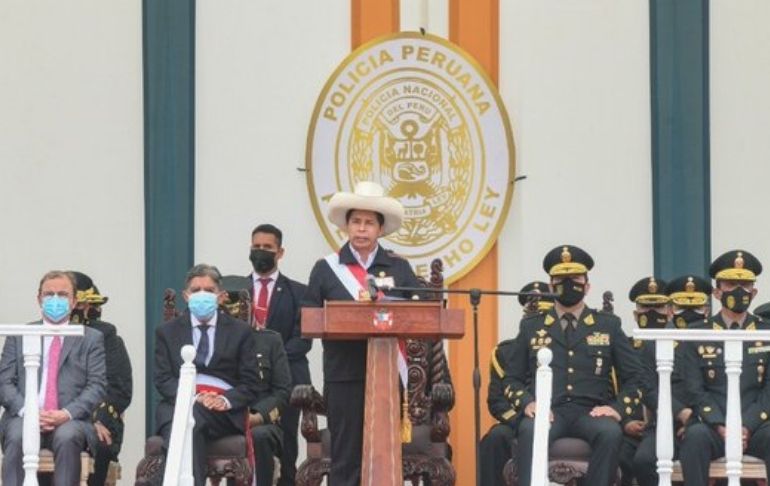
(367, 196)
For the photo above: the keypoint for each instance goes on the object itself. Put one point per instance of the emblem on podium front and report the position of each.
(383, 319)
(419, 116)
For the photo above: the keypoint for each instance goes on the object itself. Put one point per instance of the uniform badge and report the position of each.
(598, 339)
(712, 374)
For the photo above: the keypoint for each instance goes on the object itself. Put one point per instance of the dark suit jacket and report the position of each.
(283, 317)
(346, 360)
(234, 360)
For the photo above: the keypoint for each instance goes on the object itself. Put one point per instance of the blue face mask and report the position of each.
(202, 305)
(56, 308)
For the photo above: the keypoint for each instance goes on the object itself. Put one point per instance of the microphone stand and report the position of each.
(474, 296)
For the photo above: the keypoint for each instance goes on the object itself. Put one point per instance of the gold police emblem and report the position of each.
(418, 115)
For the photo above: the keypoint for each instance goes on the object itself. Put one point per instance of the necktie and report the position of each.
(51, 400)
(203, 346)
(260, 309)
(735, 325)
(569, 328)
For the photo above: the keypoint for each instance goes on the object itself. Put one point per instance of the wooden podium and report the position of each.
(382, 323)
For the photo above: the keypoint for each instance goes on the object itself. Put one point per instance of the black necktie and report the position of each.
(203, 346)
(570, 327)
(735, 325)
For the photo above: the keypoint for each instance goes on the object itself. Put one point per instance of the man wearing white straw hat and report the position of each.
(365, 215)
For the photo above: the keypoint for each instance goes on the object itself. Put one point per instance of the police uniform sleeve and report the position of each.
(704, 405)
(497, 402)
(517, 372)
(119, 387)
(755, 414)
(271, 404)
(631, 375)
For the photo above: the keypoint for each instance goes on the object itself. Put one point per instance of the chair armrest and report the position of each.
(443, 399)
(307, 399)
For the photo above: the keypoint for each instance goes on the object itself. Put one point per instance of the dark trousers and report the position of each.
(103, 455)
(209, 426)
(345, 419)
(645, 461)
(290, 428)
(702, 444)
(626, 459)
(496, 449)
(267, 445)
(603, 434)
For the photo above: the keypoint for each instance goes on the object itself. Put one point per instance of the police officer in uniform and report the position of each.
(586, 346)
(365, 215)
(496, 445)
(274, 383)
(735, 273)
(651, 312)
(108, 417)
(689, 296)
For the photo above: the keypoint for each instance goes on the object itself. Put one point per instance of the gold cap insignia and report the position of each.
(690, 285)
(652, 287)
(739, 260)
(566, 256)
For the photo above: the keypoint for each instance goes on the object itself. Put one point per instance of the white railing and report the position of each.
(179, 458)
(733, 356)
(543, 392)
(32, 335)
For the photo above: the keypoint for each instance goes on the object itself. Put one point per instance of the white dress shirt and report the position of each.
(258, 285)
(369, 260)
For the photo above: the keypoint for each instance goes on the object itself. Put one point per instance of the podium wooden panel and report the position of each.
(382, 323)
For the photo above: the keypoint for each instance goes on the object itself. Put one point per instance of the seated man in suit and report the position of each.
(72, 384)
(277, 303)
(108, 417)
(226, 361)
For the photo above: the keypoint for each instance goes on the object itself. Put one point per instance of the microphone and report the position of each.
(371, 286)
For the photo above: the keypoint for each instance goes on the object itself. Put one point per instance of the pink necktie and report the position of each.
(51, 401)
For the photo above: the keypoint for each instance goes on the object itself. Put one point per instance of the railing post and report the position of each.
(543, 392)
(664, 433)
(733, 422)
(179, 470)
(30, 442)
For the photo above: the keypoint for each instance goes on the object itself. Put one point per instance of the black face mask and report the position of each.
(262, 260)
(737, 299)
(570, 292)
(687, 316)
(652, 319)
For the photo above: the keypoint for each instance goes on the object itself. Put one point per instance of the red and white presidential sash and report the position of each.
(353, 277)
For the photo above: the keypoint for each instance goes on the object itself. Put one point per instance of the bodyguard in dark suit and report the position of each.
(72, 384)
(365, 215)
(586, 346)
(273, 386)
(108, 416)
(277, 302)
(704, 370)
(226, 362)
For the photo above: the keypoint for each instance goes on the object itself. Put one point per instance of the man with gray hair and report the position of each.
(72, 384)
(226, 361)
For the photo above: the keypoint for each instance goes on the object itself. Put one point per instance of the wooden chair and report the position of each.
(226, 458)
(46, 465)
(753, 468)
(427, 457)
